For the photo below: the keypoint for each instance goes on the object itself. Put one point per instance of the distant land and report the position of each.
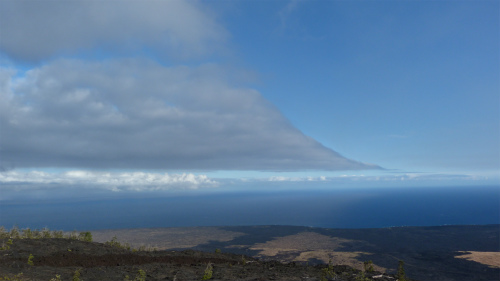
(462, 252)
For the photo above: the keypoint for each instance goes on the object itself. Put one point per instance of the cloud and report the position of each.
(286, 12)
(298, 179)
(36, 30)
(136, 113)
(136, 181)
(371, 179)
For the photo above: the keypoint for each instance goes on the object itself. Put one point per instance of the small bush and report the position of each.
(37, 234)
(401, 272)
(14, 233)
(85, 236)
(368, 266)
(73, 235)
(57, 278)
(27, 233)
(3, 233)
(76, 276)
(6, 247)
(114, 242)
(141, 275)
(57, 234)
(46, 233)
(208, 272)
(361, 277)
(30, 260)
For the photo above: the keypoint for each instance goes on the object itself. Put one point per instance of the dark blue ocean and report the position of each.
(335, 208)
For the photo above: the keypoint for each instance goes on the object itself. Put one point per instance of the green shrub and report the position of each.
(76, 276)
(57, 278)
(401, 272)
(328, 271)
(46, 233)
(6, 247)
(368, 266)
(208, 272)
(36, 234)
(3, 233)
(141, 275)
(27, 233)
(14, 233)
(73, 235)
(114, 242)
(361, 277)
(30, 260)
(85, 236)
(218, 251)
(57, 234)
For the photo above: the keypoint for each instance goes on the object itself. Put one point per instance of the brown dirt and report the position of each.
(304, 246)
(491, 259)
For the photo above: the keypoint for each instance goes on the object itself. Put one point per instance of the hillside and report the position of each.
(430, 253)
(253, 253)
(70, 259)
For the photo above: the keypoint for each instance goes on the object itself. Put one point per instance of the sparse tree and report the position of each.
(369, 266)
(401, 272)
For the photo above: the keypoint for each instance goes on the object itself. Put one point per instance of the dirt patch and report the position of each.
(306, 246)
(304, 241)
(346, 258)
(491, 259)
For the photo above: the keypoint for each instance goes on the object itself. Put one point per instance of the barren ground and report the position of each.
(430, 253)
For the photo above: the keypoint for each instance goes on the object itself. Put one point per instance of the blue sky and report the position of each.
(166, 95)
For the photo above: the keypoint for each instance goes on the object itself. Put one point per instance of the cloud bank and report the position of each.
(136, 113)
(121, 110)
(409, 177)
(135, 181)
(36, 30)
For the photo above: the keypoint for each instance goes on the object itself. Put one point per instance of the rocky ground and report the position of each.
(52, 258)
(435, 253)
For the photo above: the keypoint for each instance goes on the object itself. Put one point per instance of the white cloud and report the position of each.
(134, 181)
(36, 30)
(413, 177)
(135, 113)
(286, 12)
(296, 179)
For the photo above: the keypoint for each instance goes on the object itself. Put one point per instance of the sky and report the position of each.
(142, 96)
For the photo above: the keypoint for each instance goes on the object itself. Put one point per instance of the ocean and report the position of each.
(329, 208)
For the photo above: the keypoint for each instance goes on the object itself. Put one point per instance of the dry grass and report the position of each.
(311, 245)
(491, 259)
(304, 241)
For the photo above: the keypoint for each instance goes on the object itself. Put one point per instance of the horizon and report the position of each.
(153, 99)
